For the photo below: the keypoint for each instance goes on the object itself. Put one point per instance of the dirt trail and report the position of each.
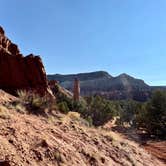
(155, 148)
(158, 149)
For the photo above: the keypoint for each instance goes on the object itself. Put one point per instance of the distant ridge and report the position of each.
(102, 83)
(81, 76)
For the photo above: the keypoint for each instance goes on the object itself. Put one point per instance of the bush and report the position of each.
(79, 106)
(73, 115)
(149, 116)
(153, 115)
(63, 107)
(35, 103)
(127, 112)
(100, 110)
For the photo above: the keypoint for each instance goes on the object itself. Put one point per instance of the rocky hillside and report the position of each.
(35, 132)
(120, 87)
(57, 139)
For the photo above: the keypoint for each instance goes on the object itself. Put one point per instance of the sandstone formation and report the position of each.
(52, 83)
(76, 90)
(58, 90)
(102, 83)
(18, 72)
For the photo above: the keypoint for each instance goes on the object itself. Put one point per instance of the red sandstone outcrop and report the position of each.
(52, 83)
(18, 72)
(76, 90)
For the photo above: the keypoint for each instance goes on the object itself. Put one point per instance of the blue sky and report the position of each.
(72, 36)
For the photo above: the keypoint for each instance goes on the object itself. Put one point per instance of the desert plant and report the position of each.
(73, 115)
(153, 115)
(63, 107)
(4, 112)
(99, 110)
(35, 103)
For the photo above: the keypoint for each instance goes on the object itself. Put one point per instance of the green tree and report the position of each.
(128, 111)
(100, 110)
(156, 114)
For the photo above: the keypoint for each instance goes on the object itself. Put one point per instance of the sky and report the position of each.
(75, 36)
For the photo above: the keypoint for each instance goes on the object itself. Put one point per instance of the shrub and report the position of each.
(79, 106)
(35, 103)
(128, 111)
(63, 107)
(89, 120)
(149, 116)
(100, 110)
(73, 115)
(4, 112)
(153, 115)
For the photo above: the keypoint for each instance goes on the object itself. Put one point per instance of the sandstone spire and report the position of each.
(76, 90)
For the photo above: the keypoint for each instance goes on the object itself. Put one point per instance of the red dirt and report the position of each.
(61, 140)
(158, 149)
(29, 140)
(155, 148)
(5, 97)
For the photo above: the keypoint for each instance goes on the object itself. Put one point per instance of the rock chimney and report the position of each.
(76, 90)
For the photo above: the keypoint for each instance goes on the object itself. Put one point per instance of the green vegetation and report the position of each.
(63, 107)
(68, 103)
(100, 110)
(127, 112)
(149, 116)
(96, 110)
(152, 116)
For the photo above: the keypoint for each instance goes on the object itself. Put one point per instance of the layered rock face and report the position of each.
(18, 72)
(102, 83)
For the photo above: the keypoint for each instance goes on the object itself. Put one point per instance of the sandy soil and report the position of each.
(63, 140)
(156, 148)
(5, 97)
(28, 139)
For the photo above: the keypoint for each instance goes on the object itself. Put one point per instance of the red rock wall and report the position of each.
(18, 72)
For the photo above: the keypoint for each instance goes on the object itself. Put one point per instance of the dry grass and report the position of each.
(33, 103)
(45, 142)
(20, 108)
(4, 112)
(71, 116)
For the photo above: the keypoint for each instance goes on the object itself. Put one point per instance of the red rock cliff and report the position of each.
(18, 72)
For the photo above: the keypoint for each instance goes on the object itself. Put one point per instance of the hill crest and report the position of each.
(122, 86)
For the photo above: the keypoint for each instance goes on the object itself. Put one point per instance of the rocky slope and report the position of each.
(120, 87)
(63, 140)
(19, 72)
(5, 97)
